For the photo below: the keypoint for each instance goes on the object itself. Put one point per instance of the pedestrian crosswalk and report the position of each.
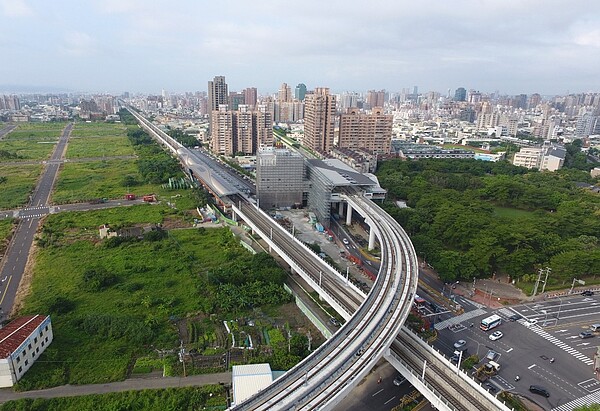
(460, 318)
(505, 313)
(561, 344)
(586, 400)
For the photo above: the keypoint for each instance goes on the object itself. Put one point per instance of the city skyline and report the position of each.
(130, 45)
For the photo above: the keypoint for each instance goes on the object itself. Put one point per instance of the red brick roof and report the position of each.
(17, 331)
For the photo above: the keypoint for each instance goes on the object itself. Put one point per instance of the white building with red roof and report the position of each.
(21, 343)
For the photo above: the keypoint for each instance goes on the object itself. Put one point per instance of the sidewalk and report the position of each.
(132, 384)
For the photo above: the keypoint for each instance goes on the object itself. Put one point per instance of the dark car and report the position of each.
(515, 317)
(586, 334)
(587, 293)
(536, 389)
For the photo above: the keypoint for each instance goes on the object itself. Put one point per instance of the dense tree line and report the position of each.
(185, 139)
(470, 219)
(155, 166)
(127, 118)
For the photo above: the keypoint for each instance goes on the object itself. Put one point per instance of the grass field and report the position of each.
(211, 397)
(55, 127)
(475, 149)
(511, 212)
(6, 226)
(99, 140)
(97, 179)
(99, 332)
(99, 146)
(98, 129)
(21, 181)
(27, 148)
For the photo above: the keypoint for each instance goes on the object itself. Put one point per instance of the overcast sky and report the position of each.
(513, 46)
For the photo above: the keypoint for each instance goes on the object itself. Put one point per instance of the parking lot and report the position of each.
(542, 346)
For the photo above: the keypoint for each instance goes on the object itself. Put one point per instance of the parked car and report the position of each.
(496, 335)
(587, 293)
(334, 321)
(460, 344)
(536, 389)
(492, 355)
(586, 334)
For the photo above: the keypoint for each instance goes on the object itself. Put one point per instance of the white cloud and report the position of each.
(78, 44)
(15, 8)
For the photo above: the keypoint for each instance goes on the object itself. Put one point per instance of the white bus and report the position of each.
(490, 322)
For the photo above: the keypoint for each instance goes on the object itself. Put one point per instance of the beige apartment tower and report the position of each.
(240, 131)
(221, 131)
(371, 132)
(319, 120)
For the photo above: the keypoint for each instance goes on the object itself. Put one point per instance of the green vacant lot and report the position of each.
(97, 179)
(30, 141)
(111, 302)
(99, 140)
(20, 181)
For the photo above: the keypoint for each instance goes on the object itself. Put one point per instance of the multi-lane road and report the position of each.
(13, 264)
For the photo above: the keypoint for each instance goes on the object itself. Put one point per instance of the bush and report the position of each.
(99, 278)
(61, 305)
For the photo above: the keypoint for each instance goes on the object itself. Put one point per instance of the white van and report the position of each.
(595, 327)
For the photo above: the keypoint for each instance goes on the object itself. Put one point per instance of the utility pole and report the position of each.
(537, 282)
(548, 269)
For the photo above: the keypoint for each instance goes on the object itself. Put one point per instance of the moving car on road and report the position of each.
(536, 389)
(587, 293)
(586, 334)
(530, 323)
(460, 344)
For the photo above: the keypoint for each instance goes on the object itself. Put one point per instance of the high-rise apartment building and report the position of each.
(460, 94)
(263, 128)
(221, 130)
(217, 95)
(371, 132)
(235, 100)
(300, 92)
(250, 95)
(285, 93)
(319, 120)
(240, 131)
(243, 131)
(375, 98)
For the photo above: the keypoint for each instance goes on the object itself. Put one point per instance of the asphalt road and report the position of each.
(15, 258)
(373, 395)
(6, 130)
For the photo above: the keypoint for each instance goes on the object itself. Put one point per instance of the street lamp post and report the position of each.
(559, 307)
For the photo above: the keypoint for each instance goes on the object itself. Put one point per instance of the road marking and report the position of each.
(583, 344)
(377, 392)
(6, 290)
(509, 350)
(391, 399)
(571, 337)
(531, 366)
(561, 331)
